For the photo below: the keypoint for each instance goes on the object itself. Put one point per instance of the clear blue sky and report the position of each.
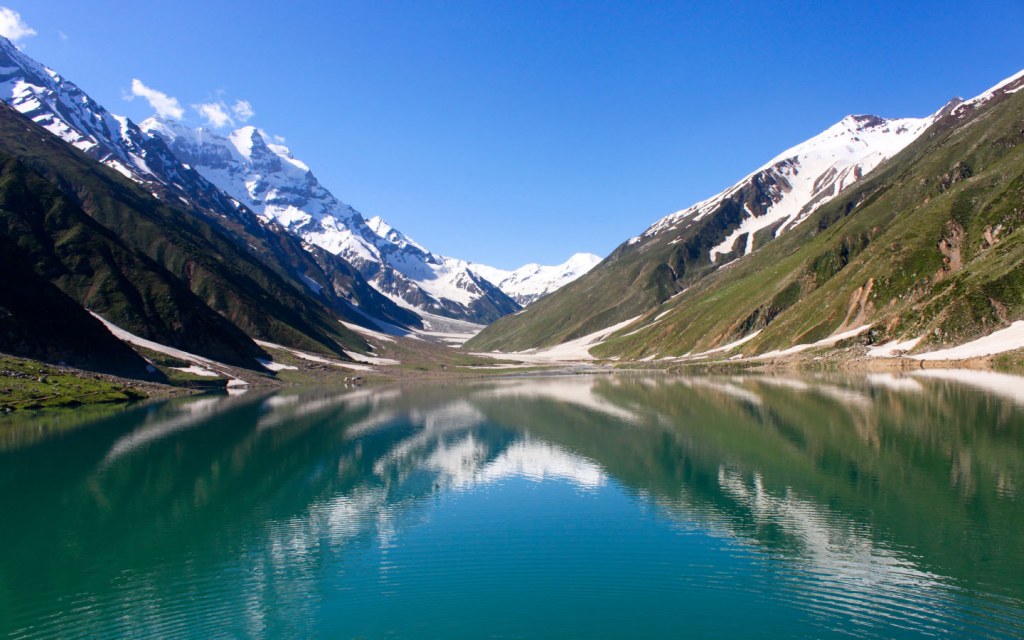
(509, 132)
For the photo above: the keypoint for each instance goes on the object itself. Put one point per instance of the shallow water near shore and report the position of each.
(604, 506)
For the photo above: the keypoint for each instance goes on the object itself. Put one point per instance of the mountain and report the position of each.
(685, 246)
(532, 281)
(264, 176)
(64, 110)
(149, 266)
(782, 193)
(39, 321)
(925, 249)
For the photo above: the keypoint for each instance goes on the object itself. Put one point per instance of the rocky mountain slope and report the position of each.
(925, 249)
(271, 204)
(150, 267)
(63, 109)
(265, 177)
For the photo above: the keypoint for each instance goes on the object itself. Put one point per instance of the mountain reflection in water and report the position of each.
(607, 506)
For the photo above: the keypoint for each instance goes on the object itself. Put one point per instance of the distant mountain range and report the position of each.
(533, 281)
(888, 230)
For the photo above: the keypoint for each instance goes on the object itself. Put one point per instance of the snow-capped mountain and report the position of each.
(283, 191)
(532, 281)
(853, 268)
(1009, 86)
(647, 271)
(263, 175)
(785, 191)
(63, 109)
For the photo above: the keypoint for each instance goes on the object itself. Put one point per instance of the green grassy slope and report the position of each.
(38, 320)
(872, 255)
(632, 280)
(26, 385)
(91, 265)
(930, 244)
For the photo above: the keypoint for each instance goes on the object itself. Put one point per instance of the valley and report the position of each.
(200, 259)
(511, 320)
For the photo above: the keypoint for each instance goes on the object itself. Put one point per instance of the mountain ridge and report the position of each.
(680, 250)
(251, 184)
(269, 180)
(533, 280)
(63, 109)
(223, 244)
(160, 267)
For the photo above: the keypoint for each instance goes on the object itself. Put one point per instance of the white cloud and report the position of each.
(243, 110)
(215, 113)
(12, 27)
(164, 105)
(62, 35)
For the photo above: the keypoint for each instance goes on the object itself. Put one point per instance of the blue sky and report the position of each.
(510, 132)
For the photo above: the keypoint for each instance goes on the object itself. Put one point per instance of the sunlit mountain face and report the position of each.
(609, 506)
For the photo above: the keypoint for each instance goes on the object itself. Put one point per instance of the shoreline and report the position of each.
(60, 389)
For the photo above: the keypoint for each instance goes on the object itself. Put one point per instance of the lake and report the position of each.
(611, 506)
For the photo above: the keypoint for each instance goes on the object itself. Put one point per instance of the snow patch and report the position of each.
(131, 338)
(314, 358)
(383, 337)
(894, 348)
(729, 347)
(572, 351)
(825, 342)
(358, 357)
(1001, 341)
(197, 370)
(276, 366)
(197, 361)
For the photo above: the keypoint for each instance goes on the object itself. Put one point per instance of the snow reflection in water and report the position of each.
(827, 506)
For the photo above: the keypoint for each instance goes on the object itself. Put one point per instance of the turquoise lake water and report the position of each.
(549, 507)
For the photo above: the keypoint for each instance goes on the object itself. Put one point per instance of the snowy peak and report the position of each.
(248, 176)
(580, 263)
(64, 110)
(1007, 87)
(532, 281)
(256, 170)
(854, 138)
(785, 191)
(248, 140)
(265, 177)
(389, 234)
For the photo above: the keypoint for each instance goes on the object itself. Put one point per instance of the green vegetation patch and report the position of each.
(26, 384)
